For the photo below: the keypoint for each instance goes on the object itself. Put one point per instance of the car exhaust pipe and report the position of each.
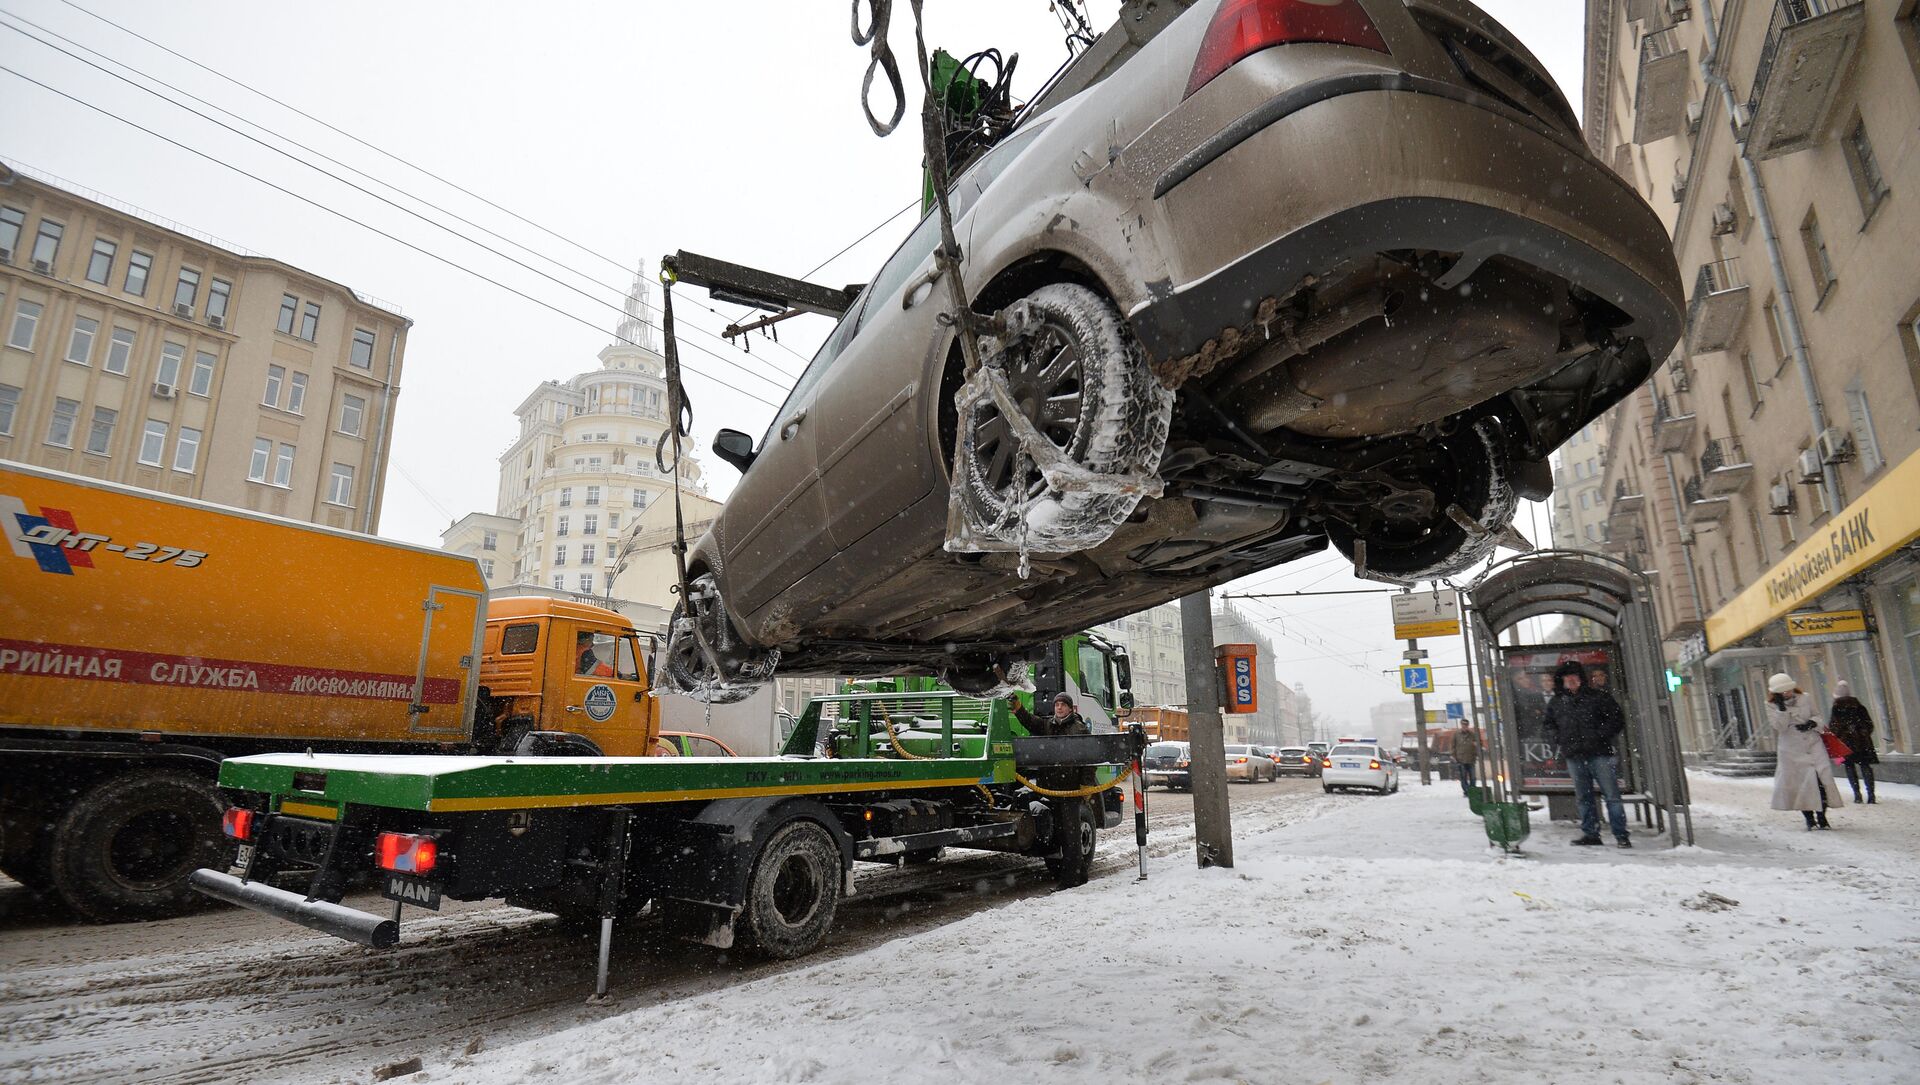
(323, 916)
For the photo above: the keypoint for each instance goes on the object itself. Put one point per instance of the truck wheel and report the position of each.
(125, 848)
(1077, 832)
(792, 892)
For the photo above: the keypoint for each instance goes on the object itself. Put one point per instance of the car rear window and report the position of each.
(1293, 751)
(1166, 751)
(1354, 751)
(1239, 751)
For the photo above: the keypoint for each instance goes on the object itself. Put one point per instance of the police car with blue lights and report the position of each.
(1360, 762)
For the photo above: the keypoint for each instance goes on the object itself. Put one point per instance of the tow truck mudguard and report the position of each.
(706, 864)
(328, 918)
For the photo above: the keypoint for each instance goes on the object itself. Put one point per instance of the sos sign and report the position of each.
(1242, 676)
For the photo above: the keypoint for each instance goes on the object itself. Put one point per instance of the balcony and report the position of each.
(1619, 541)
(1718, 305)
(1625, 504)
(1808, 53)
(1724, 467)
(1673, 424)
(1660, 98)
(1703, 508)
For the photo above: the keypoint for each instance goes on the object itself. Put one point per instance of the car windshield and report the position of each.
(1354, 751)
(1166, 751)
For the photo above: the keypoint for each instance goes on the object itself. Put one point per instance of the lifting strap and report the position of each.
(679, 424)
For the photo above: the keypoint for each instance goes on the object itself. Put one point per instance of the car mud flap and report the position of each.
(378, 932)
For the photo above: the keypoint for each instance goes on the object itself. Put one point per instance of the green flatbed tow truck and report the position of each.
(754, 852)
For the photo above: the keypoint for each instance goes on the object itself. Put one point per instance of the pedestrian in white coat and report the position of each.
(1804, 779)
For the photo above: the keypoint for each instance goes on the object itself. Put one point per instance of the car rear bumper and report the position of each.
(1169, 778)
(1354, 778)
(1296, 770)
(1419, 164)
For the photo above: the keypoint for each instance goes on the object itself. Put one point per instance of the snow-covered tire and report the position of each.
(792, 893)
(686, 669)
(1477, 482)
(124, 849)
(1088, 389)
(1077, 831)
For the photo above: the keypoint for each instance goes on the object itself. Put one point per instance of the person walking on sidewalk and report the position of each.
(1804, 779)
(1466, 747)
(1584, 722)
(1853, 726)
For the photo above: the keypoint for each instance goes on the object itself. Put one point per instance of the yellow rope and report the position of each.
(1080, 793)
(886, 720)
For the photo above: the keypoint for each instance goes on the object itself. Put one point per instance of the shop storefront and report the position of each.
(1844, 605)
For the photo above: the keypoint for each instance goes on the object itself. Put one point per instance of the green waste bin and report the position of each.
(1477, 800)
(1506, 823)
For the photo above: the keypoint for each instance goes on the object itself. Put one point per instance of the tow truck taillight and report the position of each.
(1244, 27)
(404, 853)
(237, 823)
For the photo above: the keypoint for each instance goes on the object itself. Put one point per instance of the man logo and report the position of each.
(600, 703)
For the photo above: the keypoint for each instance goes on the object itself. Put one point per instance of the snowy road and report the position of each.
(229, 995)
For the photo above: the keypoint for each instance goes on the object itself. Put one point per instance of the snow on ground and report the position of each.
(1381, 941)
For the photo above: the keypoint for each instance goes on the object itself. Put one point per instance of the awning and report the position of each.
(1884, 519)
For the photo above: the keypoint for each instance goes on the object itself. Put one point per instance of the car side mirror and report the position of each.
(734, 447)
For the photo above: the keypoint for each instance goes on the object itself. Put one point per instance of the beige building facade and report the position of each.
(136, 351)
(1762, 473)
(1579, 506)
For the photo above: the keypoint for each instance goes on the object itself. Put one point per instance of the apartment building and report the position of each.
(139, 351)
(1579, 513)
(1153, 640)
(1769, 472)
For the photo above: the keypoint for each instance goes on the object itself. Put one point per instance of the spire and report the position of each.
(638, 327)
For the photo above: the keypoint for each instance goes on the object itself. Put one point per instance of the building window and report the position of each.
(171, 355)
(489, 540)
(9, 405)
(639, 499)
(139, 267)
(262, 455)
(186, 450)
(1865, 443)
(560, 554)
(60, 427)
(1868, 183)
(340, 485)
(219, 293)
(296, 392)
(153, 442)
(187, 291)
(47, 245)
(1586, 499)
(310, 321)
(1818, 261)
(289, 308)
(201, 384)
(12, 219)
(100, 436)
(362, 353)
(80, 343)
(100, 264)
(586, 583)
(353, 413)
(283, 466)
(119, 351)
(276, 376)
(592, 525)
(593, 495)
(486, 568)
(560, 526)
(26, 321)
(586, 554)
(566, 497)
(559, 582)
(613, 521)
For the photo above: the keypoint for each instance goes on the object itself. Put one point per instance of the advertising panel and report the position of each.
(1529, 677)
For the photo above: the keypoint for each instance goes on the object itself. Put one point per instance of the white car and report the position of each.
(1360, 765)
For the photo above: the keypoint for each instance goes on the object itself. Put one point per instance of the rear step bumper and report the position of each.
(341, 922)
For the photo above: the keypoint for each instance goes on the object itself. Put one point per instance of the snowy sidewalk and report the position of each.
(1380, 942)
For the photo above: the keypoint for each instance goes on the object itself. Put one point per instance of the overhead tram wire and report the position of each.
(790, 377)
(371, 228)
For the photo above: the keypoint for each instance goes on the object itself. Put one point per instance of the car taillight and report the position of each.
(1326, 762)
(1181, 764)
(1244, 27)
(237, 823)
(1373, 764)
(405, 853)
(1239, 760)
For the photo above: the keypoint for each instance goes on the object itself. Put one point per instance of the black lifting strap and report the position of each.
(679, 424)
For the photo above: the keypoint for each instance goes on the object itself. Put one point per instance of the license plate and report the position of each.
(409, 890)
(1349, 764)
(244, 858)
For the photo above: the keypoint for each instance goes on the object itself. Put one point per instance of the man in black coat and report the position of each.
(1584, 722)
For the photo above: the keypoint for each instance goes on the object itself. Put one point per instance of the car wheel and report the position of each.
(1079, 377)
(688, 669)
(1401, 536)
(1078, 833)
(792, 892)
(125, 848)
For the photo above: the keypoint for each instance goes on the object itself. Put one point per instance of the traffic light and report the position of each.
(1674, 681)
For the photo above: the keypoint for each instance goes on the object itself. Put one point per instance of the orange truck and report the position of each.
(144, 638)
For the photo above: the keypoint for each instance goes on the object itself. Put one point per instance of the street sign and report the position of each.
(1416, 678)
(1456, 710)
(1426, 614)
(1237, 664)
(1827, 626)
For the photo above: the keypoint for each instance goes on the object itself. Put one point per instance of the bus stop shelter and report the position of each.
(1624, 658)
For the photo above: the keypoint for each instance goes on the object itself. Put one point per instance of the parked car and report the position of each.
(1248, 765)
(1232, 334)
(1360, 765)
(1296, 761)
(690, 744)
(1168, 764)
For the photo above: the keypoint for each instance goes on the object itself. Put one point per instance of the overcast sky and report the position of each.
(633, 129)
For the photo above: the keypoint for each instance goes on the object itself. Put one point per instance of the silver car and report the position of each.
(1297, 273)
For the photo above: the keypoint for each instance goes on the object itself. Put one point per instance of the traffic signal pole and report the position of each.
(1207, 744)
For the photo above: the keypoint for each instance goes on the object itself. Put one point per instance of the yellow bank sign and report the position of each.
(1885, 518)
(1819, 627)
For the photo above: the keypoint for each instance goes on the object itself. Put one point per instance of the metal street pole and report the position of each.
(1415, 655)
(1207, 750)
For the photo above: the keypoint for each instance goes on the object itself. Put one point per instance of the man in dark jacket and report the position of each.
(1066, 718)
(1584, 721)
(1464, 748)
